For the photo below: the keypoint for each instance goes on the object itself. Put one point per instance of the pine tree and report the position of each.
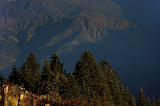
(46, 78)
(148, 102)
(132, 101)
(31, 74)
(104, 67)
(59, 78)
(128, 98)
(153, 101)
(104, 70)
(141, 101)
(14, 76)
(113, 82)
(124, 92)
(73, 89)
(90, 78)
(158, 102)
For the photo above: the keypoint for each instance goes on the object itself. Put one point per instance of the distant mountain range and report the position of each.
(116, 31)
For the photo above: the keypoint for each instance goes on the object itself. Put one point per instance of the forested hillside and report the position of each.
(90, 83)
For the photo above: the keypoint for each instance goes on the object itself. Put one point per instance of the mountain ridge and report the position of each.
(58, 8)
(21, 32)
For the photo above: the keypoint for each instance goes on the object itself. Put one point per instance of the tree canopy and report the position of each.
(89, 80)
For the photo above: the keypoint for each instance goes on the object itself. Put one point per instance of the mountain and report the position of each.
(63, 32)
(107, 28)
(24, 17)
(28, 9)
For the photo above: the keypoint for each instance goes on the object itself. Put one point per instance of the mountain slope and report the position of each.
(64, 34)
(27, 35)
(18, 20)
(33, 9)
